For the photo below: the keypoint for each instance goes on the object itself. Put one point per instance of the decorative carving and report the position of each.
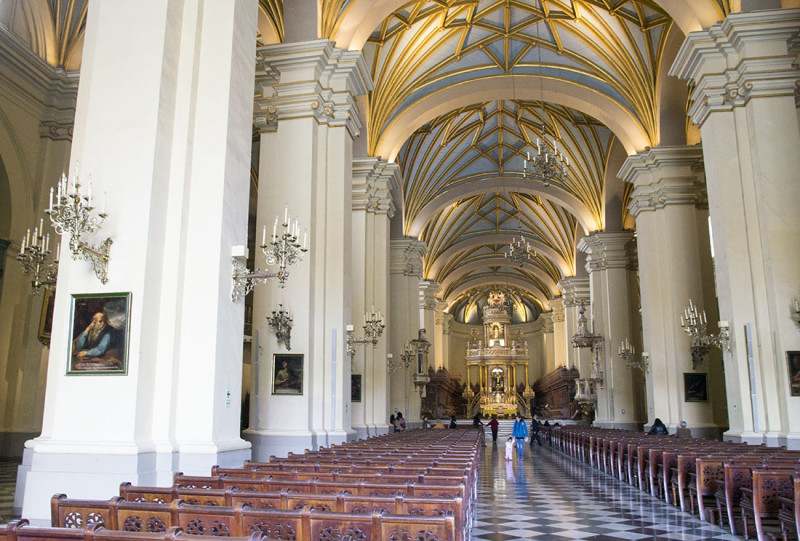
(132, 524)
(155, 524)
(220, 529)
(73, 520)
(195, 527)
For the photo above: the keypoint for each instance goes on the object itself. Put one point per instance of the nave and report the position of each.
(549, 496)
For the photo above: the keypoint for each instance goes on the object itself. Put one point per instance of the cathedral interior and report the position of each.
(241, 229)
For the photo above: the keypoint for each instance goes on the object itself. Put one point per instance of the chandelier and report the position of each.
(283, 250)
(33, 257)
(71, 213)
(281, 323)
(547, 167)
(518, 251)
(628, 354)
(695, 324)
(374, 324)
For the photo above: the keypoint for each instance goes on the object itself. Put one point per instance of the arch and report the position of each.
(512, 87)
(19, 179)
(506, 280)
(495, 238)
(482, 264)
(363, 16)
(503, 184)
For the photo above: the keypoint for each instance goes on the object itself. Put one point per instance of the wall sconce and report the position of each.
(281, 323)
(628, 354)
(796, 310)
(33, 258)
(71, 213)
(374, 324)
(695, 324)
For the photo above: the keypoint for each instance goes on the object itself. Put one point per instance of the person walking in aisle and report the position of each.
(494, 425)
(535, 430)
(520, 432)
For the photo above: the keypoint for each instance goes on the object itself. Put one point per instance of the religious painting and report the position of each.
(355, 387)
(46, 319)
(99, 334)
(287, 374)
(793, 359)
(695, 387)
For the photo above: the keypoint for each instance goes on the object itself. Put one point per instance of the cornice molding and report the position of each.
(557, 307)
(606, 250)
(373, 182)
(48, 93)
(665, 176)
(574, 290)
(311, 79)
(747, 56)
(427, 294)
(406, 256)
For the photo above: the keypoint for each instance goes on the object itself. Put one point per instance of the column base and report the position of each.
(751, 438)
(95, 472)
(267, 443)
(361, 433)
(791, 441)
(12, 444)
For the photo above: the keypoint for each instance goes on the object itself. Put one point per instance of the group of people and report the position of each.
(398, 422)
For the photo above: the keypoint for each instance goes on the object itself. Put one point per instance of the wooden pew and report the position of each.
(789, 513)
(21, 530)
(762, 503)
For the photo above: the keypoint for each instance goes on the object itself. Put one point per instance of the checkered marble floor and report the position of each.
(549, 496)
(8, 480)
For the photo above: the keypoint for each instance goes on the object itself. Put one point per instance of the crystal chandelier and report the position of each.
(518, 251)
(33, 257)
(281, 323)
(547, 167)
(628, 354)
(71, 213)
(283, 250)
(695, 324)
(374, 324)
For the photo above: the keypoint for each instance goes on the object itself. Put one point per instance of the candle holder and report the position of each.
(695, 324)
(33, 255)
(547, 167)
(281, 323)
(72, 214)
(283, 250)
(374, 324)
(796, 310)
(628, 354)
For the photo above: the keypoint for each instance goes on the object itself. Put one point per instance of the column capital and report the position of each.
(744, 57)
(406, 256)
(606, 250)
(574, 290)
(548, 319)
(373, 182)
(427, 294)
(309, 79)
(665, 176)
(557, 307)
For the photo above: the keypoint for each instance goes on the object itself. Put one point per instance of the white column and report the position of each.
(306, 113)
(619, 401)
(405, 274)
(177, 200)
(574, 290)
(441, 343)
(427, 307)
(559, 334)
(674, 264)
(744, 80)
(373, 208)
(548, 360)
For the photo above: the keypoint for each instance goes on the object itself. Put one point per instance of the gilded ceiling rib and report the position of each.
(273, 9)
(69, 22)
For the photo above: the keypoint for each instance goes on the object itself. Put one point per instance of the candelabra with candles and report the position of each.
(32, 256)
(695, 324)
(406, 358)
(283, 250)
(519, 251)
(72, 214)
(628, 354)
(545, 166)
(374, 324)
(281, 323)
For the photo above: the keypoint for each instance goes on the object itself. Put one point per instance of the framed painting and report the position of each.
(355, 387)
(695, 387)
(287, 374)
(99, 329)
(793, 360)
(46, 319)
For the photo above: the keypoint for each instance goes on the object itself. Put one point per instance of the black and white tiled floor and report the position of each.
(549, 496)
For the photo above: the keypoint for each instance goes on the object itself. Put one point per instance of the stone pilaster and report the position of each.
(373, 209)
(744, 76)
(620, 403)
(405, 274)
(559, 332)
(306, 112)
(442, 336)
(668, 202)
(573, 291)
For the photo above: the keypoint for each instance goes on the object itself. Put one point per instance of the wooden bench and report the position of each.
(21, 530)
(789, 513)
(762, 503)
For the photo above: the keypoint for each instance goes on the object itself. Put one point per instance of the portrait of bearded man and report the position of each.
(99, 332)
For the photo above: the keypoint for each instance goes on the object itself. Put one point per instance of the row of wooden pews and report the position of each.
(417, 485)
(21, 530)
(743, 488)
